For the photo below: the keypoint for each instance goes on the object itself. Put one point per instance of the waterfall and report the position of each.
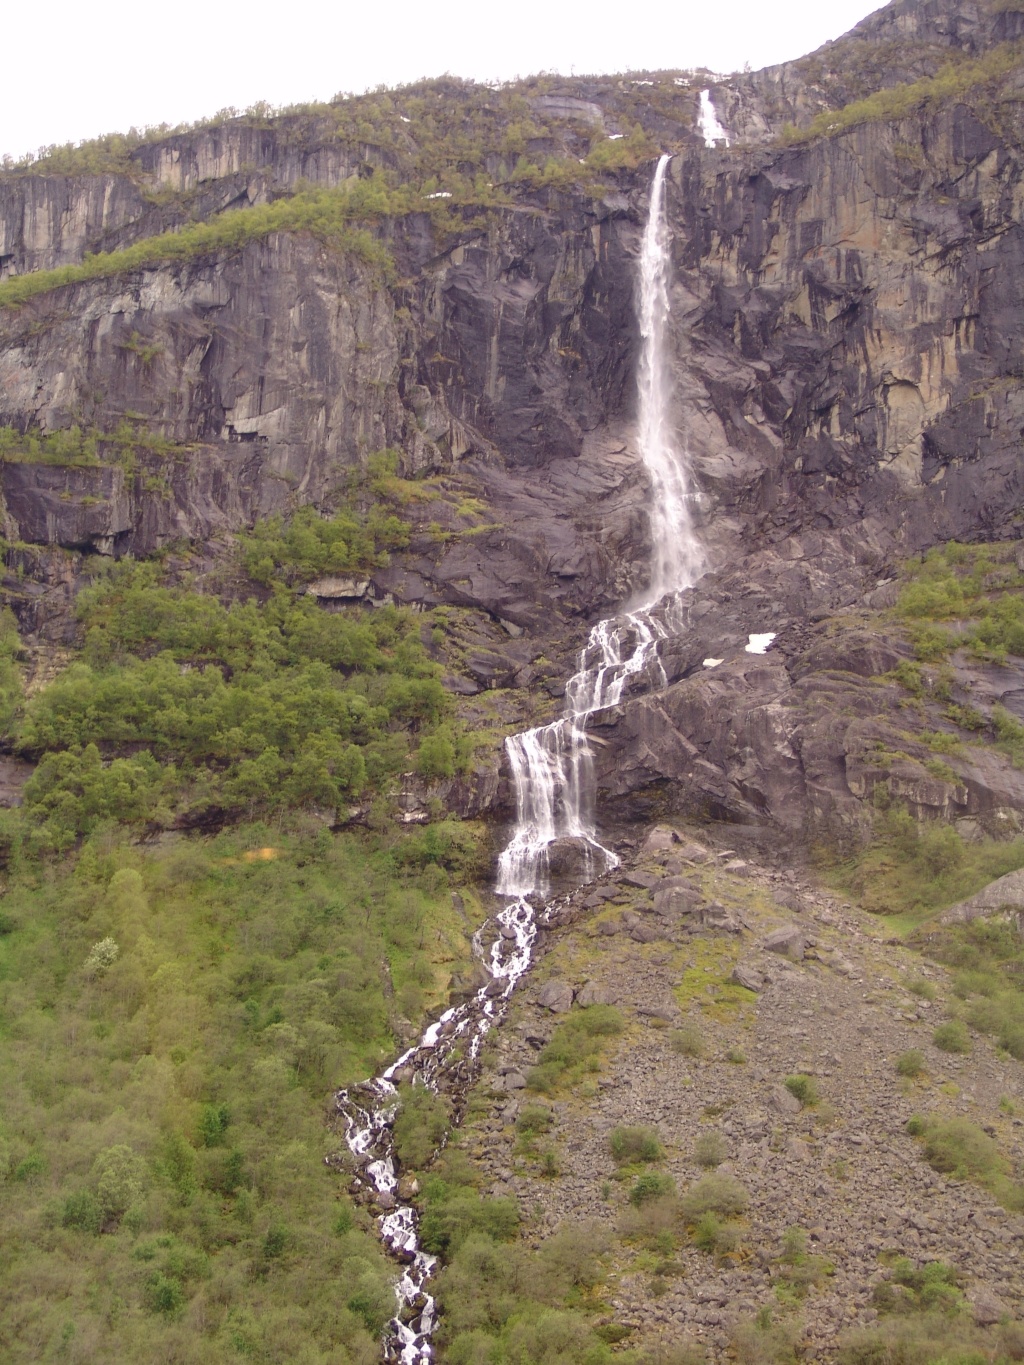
(551, 768)
(710, 129)
(676, 551)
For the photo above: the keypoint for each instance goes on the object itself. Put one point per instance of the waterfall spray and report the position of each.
(552, 774)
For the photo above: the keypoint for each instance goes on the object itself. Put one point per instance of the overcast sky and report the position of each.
(74, 70)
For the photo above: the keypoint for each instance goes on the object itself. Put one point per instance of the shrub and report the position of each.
(932, 1286)
(710, 1149)
(422, 1122)
(575, 1047)
(804, 1088)
(952, 1036)
(164, 1294)
(910, 1063)
(721, 1194)
(453, 1213)
(651, 1185)
(920, 986)
(533, 1120)
(687, 1041)
(710, 1234)
(634, 1144)
(82, 1211)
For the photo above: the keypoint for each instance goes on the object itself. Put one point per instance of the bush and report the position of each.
(920, 986)
(649, 1186)
(721, 1194)
(165, 1295)
(636, 1144)
(910, 1063)
(710, 1149)
(710, 1234)
(82, 1211)
(453, 1213)
(533, 1120)
(422, 1123)
(804, 1088)
(952, 1036)
(687, 1041)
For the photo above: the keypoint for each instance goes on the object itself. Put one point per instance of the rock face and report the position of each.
(847, 320)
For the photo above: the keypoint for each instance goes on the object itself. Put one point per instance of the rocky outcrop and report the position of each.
(846, 333)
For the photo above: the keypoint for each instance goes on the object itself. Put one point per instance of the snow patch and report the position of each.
(758, 644)
(712, 663)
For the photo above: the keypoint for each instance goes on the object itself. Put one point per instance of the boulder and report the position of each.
(987, 1308)
(556, 996)
(597, 993)
(789, 941)
(746, 975)
(660, 839)
(1003, 896)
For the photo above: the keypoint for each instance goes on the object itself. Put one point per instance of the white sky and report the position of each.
(74, 71)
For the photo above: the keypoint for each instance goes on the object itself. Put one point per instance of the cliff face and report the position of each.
(847, 336)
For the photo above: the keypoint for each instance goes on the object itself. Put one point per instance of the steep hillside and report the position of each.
(318, 459)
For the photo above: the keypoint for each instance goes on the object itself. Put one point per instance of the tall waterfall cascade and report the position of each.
(551, 769)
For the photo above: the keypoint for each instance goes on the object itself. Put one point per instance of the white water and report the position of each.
(552, 773)
(710, 129)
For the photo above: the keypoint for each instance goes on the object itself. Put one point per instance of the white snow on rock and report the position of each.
(712, 663)
(758, 644)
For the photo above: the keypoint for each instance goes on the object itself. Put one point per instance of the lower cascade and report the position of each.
(552, 775)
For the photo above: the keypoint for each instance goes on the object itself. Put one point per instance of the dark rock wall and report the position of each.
(848, 324)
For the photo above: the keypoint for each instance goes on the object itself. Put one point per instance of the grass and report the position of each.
(576, 1048)
(952, 1036)
(959, 1148)
(955, 81)
(327, 215)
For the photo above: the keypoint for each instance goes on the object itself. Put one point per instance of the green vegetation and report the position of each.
(977, 587)
(804, 1088)
(913, 869)
(961, 1149)
(796, 1270)
(952, 1036)
(172, 1020)
(687, 1040)
(630, 1146)
(85, 447)
(650, 1186)
(718, 1194)
(182, 709)
(955, 81)
(910, 1063)
(710, 1150)
(310, 545)
(989, 958)
(576, 1048)
(327, 215)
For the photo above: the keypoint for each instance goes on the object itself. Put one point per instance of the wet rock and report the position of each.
(789, 942)
(556, 996)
